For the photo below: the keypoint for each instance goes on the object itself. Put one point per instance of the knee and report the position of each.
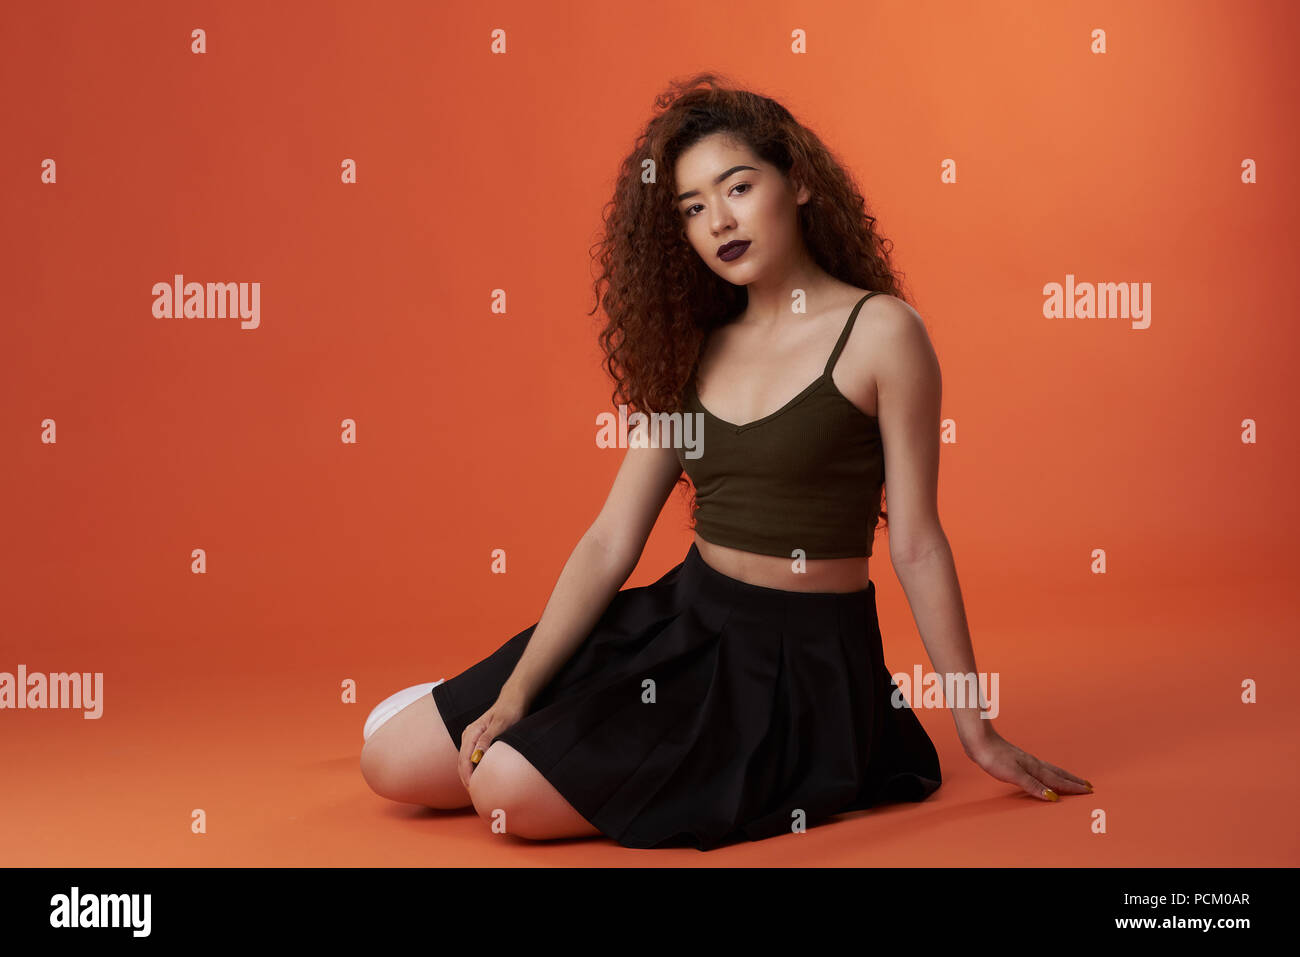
(379, 770)
(391, 771)
(499, 791)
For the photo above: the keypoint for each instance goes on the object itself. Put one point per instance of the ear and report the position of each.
(801, 193)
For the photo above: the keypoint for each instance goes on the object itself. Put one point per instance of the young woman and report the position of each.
(744, 694)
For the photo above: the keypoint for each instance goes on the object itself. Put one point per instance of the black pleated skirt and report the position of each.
(703, 710)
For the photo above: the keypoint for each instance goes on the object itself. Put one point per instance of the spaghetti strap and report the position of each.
(844, 336)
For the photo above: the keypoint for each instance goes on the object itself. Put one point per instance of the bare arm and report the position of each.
(599, 565)
(910, 390)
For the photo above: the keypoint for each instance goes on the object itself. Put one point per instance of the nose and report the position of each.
(722, 221)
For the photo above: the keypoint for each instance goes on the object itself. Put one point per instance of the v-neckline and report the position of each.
(811, 387)
(827, 372)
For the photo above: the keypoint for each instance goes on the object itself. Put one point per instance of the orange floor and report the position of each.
(1138, 692)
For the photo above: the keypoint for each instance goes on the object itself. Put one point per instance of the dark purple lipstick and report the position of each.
(733, 250)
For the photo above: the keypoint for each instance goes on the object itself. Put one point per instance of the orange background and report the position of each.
(328, 562)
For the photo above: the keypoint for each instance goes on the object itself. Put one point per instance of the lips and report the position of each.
(732, 250)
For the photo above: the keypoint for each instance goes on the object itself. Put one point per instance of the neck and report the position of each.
(770, 299)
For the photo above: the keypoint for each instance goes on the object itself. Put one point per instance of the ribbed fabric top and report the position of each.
(807, 476)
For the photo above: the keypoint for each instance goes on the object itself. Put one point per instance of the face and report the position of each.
(725, 193)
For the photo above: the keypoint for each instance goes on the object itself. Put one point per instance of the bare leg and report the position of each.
(412, 758)
(505, 781)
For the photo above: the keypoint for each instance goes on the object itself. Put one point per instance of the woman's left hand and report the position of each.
(1004, 761)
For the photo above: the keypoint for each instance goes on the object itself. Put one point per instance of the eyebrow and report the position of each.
(719, 179)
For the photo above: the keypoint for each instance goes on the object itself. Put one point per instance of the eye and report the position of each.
(689, 211)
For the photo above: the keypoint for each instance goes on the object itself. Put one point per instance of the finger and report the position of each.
(1065, 776)
(468, 745)
(1059, 783)
(1033, 785)
(485, 740)
(472, 753)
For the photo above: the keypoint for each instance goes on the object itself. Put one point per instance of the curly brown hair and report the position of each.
(660, 299)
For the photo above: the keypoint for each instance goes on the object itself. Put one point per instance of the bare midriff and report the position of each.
(777, 571)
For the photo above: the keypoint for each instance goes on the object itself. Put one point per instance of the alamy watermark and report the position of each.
(933, 690)
(655, 430)
(58, 689)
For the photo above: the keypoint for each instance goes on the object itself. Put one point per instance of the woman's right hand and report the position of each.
(482, 731)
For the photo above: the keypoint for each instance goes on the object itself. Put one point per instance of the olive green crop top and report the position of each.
(807, 476)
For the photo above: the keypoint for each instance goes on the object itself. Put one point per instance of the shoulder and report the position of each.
(891, 329)
(885, 321)
(889, 315)
(889, 345)
(902, 357)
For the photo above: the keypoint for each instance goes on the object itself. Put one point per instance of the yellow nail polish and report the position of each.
(1088, 786)
(1050, 794)
(476, 756)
